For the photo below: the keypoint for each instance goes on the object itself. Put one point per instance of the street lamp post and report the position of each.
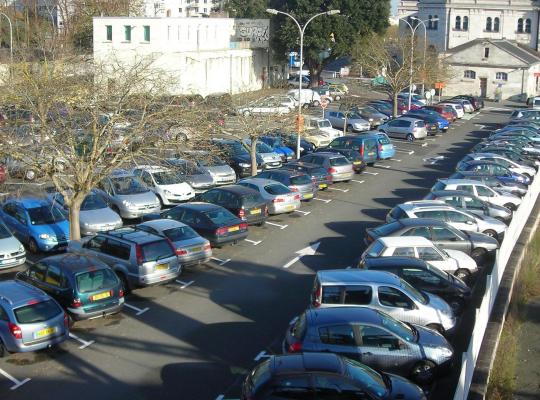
(425, 44)
(10, 37)
(302, 30)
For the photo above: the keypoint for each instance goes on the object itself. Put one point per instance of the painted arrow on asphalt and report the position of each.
(306, 251)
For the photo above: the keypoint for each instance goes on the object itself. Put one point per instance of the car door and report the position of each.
(404, 252)
(397, 304)
(448, 239)
(473, 205)
(340, 339)
(35, 275)
(57, 285)
(433, 256)
(13, 221)
(461, 221)
(485, 193)
(290, 387)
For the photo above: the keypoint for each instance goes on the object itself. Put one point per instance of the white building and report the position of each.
(202, 55)
(181, 8)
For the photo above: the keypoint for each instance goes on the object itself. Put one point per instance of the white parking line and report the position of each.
(370, 173)
(430, 139)
(253, 242)
(139, 311)
(354, 180)
(303, 212)
(325, 200)
(220, 397)
(396, 160)
(221, 262)
(85, 343)
(424, 145)
(409, 152)
(17, 383)
(278, 225)
(382, 166)
(339, 190)
(184, 284)
(262, 354)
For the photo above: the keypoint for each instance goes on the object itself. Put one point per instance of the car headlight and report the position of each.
(445, 352)
(244, 165)
(167, 192)
(86, 224)
(127, 203)
(21, 248)
(370, 120)
(44, 236)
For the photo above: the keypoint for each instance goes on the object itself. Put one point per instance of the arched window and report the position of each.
(501, 76)
(469, 74)
(520, 25)
(496, 24)
(436, 22)
(430, 22)
(465, 23)
(528, 25)
(488, 24)
(458, 23)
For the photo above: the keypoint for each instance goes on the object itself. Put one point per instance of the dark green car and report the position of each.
(83, 285)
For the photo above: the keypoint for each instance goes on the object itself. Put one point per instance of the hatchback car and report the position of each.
(240, 200)
(12, 253)
(424, 276)
(237, 156)
(477, 245)
(85, 286)
(29, 319)
(446, 112)
(220, 171)
(453, 261)
(514, 166)
(374, 117)
(434, 122)
(382, 291)
(196, 177)
(364, 145)
(167, 185)
(405, 128)
(294, 180)
(338, 166)
(349, 120)
(279, 198)
(385, 148)
(493, 168)
(358, 163)
(270, 158)
(128, 196)
(319, 175)
(324, 376)
(191, 248)
(213, 222)
(138, 258)
(36, 223)
(373, 338)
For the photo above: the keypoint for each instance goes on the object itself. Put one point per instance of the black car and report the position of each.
(323, 376)
(359, 165)
(319, 175)
(213, 222)
(237, 156)
(477, 245)
(424, 276)
(242, 201)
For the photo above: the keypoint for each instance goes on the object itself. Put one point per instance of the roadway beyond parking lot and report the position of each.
(196, 338)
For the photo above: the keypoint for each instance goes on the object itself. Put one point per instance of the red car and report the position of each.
(444, 111)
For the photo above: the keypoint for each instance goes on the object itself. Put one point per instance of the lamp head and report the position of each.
(272, 11)
(333, 12)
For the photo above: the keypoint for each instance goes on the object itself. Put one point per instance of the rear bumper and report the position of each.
(79, 314)
(221, 240)
(345, 176)
(19, 347)
(157, 279)
(283, 208)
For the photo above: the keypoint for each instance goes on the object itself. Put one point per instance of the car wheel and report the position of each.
(423, 372)
(32, 246)
(246, 113)
(261, 223)
(337, 98)
(478, 255)
(410, 137)
(490, 233)
(125, 283)
(510, 206)
(463, 274)
(305, 106)
(456, 304)
(316, 103)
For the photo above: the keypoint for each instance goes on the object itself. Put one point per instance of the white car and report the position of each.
(307, 97)
(453, 261)
(168, 186)
(263, 106)
(12, 252)
(458, 108)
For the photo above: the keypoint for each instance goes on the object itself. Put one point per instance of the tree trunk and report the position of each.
(395, 104)
(314, 76)
(74, 222)
(253, 154)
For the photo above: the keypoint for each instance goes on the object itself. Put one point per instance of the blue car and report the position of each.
(36, 223)
(432, 117)
(385, 148)
(277, 145)
(494, 169)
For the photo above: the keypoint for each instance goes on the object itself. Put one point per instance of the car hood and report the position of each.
(493, 223)
(9, 245)
(246, 158)
(270, 157)
(481, 240)
(439, 304)
(220, 169)
(285, 150)
(463, 260)
(177, 187)
(402, 388)
(199, 179)
(101, 216)
(141, 199)
(430, 338)
(60, 230)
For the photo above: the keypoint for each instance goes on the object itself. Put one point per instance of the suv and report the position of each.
(139, 258)
(381, 291)
(29, 319)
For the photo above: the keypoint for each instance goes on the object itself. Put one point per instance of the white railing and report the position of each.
(468, 362)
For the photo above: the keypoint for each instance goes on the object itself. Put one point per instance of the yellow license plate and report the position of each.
(195, 249)
(44, 332)
(161, 267)
(234, 228)
(255, 211)
(289, 208)
(100, 296)
(357, 162)
(308, 195)
(322, 185)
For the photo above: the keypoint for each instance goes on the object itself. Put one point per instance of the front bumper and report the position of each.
(52, 246)
(12, 262)
(92, 230)
(130, 213)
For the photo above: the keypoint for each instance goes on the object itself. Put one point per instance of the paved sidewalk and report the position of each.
(528, 355)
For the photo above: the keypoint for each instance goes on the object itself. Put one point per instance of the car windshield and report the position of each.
(402, 330)
(419, 124)
(157, 250)
(165, 178)
(211, 161)
(180, 233)
(94, 280)
(4, 232)
(277, 189)
(235, 149)
(324, 124)
(37, 312)
(252, 199)
(300, 180)
(413, 292)
(128, 185)
(383, 139)
(375, 249)
(263, 148)
(339, 161)
(367, 377)
(45, 215)
(93, 202)
(221, 217)
(437, 271)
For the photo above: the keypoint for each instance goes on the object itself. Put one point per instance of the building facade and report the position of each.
(201, 55)
(181, 8)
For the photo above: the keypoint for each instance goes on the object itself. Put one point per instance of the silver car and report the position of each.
(128, 195)
(95, 215)
(198, 178)
(279, 198)
(29, 319)
(294, 180)
(270, 157)
(219, 170)
(336, 164)
(405, 128)
(12, 252)
(382, 291)
(505, 162)
(354, 122)
(191, 248)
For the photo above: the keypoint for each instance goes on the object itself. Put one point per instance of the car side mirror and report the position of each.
(469, 222)
(398, 345)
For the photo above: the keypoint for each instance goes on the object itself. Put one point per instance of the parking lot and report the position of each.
(197, 337)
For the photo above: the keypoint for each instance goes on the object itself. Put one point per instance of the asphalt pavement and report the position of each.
(197, 337)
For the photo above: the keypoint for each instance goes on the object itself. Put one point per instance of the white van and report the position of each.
(308, 97)
(535, 103)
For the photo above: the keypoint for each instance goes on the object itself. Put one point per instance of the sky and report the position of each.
(394, 7)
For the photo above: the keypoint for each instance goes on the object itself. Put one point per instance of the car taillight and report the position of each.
(181, 252)
(243, 225)
(293, 188)
(15, 330)
(332, 170)
(66, 320)
(76, 303)
(329, 178)
(361, 151)
(317, 297)
(297, 197)
(139, 254)
(207, 246)
(295, 347)
(121, 293)
(221, 231)
(278, 200)
(242, 214)
(380, 147)
(266, 210)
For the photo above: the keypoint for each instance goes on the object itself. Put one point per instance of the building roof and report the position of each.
(523, 53)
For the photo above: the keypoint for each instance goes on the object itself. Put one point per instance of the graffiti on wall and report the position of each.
(251, 33)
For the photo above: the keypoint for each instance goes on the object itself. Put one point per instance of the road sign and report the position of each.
(324, 102)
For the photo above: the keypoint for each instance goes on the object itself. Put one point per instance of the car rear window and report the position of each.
(156, 250)
(277, 188)
(419, 124)
(260, 375)
(37, 312)
(375, 249)
(383, 139)
(339, 161)
(252, 199)
(300, 180)
(397, 213)
(92, 281)
(180, 233)
(387, 229)
(220, 217)
(331, 295)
